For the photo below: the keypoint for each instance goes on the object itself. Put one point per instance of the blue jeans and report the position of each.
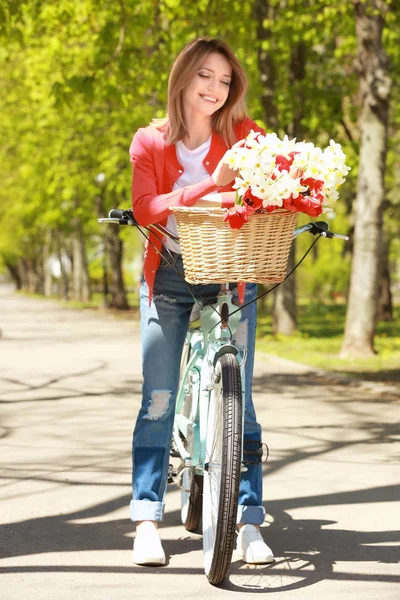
(163, 326)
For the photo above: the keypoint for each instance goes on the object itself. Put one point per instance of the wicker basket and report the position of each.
(213, 252)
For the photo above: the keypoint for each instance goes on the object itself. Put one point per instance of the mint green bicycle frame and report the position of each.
(205, 338)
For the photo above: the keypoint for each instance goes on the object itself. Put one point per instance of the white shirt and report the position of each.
(193, 172)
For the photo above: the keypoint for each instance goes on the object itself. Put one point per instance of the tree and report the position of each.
(298, 97)
(79, 78)
(374, 87)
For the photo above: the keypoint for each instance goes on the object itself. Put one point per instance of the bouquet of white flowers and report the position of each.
(284, 174)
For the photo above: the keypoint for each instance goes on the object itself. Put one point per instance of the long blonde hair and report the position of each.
(183, 69)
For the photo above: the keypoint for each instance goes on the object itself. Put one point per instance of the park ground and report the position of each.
(69, 392)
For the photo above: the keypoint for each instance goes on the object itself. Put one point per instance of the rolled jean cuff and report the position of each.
(253, 515)
(146, 510)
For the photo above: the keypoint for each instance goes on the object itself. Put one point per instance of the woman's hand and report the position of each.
(223, 174)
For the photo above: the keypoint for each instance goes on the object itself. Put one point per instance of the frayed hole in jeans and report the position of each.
(165, 298)
(158, 404)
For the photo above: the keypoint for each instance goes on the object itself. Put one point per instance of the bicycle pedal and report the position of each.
(255, 452)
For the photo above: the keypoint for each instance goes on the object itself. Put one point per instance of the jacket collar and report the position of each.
(173, 169)
(216, 152)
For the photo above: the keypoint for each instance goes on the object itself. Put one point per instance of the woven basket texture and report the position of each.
(213, 252)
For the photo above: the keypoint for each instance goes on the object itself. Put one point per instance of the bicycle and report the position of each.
(208, 425)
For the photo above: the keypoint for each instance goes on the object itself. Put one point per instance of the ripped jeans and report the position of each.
(163, 326)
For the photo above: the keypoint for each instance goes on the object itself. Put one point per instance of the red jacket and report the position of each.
(155, 171)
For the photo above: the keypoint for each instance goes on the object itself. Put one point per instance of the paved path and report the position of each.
(69, 393)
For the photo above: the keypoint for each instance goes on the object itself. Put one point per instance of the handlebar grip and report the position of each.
(319, 227)
(116, 213)
(125, 217)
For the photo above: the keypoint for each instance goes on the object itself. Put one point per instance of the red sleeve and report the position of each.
(148, 205)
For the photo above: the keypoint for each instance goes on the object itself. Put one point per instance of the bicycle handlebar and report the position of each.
(120, 216)
(320, 228)
(126, 217)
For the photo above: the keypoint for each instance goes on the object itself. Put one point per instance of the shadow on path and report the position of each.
(306, 550)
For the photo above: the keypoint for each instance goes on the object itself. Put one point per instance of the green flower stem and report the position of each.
(238, 199)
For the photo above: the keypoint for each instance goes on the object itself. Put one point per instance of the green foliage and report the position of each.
(78, 79)
(325, 273)
(319, 340)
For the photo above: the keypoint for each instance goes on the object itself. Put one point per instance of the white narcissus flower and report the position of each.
(231, 159)
(276, 181)
(267, 162)
(284, 187)
(251, 139)
(241, 185)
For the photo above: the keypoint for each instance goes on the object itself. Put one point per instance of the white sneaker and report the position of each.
(147, 548)
(251, 547)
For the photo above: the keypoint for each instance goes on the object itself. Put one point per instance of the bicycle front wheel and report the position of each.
(222, 468)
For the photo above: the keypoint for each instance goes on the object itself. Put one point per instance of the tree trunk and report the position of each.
(24, 274)
(64, 283)
(15, 274)
(385, 304)
(284, 303)
(30, 276)
(114, 248)
(81, 283)
(285, 299)
(114, 287)
(297, 74)
(262, 11)
(48, 275)
(374, 85)
(284, 310)
(39, 273)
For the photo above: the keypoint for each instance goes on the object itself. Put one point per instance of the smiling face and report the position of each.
(208, 89)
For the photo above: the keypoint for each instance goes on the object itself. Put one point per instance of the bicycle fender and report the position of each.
(226, 349)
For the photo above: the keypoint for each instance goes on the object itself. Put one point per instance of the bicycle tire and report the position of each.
(191, 503)
(222, 469)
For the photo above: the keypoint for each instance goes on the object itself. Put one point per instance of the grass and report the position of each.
(97, 302)
(319, 339)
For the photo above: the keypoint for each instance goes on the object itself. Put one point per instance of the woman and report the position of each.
(179, 162)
